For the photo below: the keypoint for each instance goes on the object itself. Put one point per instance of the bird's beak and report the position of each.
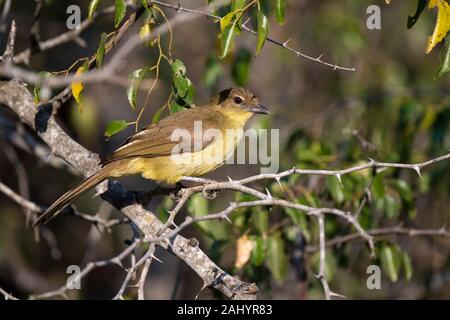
(259, 108)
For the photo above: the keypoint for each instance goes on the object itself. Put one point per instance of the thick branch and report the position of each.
(19, 99)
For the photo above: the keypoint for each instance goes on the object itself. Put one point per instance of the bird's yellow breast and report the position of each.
(172, 168)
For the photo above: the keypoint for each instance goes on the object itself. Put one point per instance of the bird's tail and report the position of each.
(70, 195)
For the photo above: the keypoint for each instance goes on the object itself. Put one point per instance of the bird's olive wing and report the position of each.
(173, 134)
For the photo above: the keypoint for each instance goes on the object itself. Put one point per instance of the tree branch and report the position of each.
(19, 99)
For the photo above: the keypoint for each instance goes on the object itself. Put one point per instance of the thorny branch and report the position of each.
(155, 232)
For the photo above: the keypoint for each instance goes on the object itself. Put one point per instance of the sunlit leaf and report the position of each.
(442, 25)
(407, 265)
(144, 32)
(227, 40)
(101, 50)
(263, 30)
(77, 85)
(178, 67)
(92, 7)
(280, 10)
(226, 20)
(121, 9)
(390, 261)
(115, 127)
(136, 79)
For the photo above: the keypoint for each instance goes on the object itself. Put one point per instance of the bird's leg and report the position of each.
(176, 194)
(135, 236)
(209, 194)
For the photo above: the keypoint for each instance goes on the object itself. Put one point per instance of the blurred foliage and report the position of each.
(399, 112)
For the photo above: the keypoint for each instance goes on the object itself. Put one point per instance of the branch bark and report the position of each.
(17, 97)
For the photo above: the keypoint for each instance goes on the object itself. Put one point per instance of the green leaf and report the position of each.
(335, 188)
(37, 95)
(445, 64)
(390, 261)
(178, 67)
(115, 127)
(226, 20)
(392, 206)
(260, 220)
(121, 9)
(262, 29)
(92, 8)
(181, 85)
(237, 5)
(403, 189)
(158, 114)
(227, 40)
(198, 207)
(136, 78)
(145, 4)
(280, 10)
(299, 218)
(259, 251)
(407, 265)
(241, 67)
(212, 72)
(378, 186)
(189, 98)
(175, 107)
(101, 50)
(277, 260)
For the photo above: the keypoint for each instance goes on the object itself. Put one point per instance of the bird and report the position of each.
(191, 142)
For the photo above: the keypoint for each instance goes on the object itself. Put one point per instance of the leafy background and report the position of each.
(393, 99)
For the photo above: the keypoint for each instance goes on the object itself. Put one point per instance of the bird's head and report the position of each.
(240, 98)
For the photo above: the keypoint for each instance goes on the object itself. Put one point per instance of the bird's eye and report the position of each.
(238, 100)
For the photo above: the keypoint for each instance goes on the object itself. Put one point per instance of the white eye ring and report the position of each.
(238, 100)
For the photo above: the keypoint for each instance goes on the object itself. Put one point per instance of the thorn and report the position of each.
(229, 179)
(279, 183)
(200, 291)
(268, 194)
(286, 42)
(118, 262)
(320, 56)
(154, 257)
(173, 224)
(337, 295)
(245, 23)
(417, 168)
(225, 217)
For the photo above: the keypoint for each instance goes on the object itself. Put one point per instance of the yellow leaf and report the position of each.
(144, 33)
(226, 20)
(243, 251)
(442, 23)
(77, 86)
